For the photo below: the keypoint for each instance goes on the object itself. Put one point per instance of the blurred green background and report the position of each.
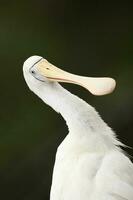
(85, 37)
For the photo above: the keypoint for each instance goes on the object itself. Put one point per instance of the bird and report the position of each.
(90, 163)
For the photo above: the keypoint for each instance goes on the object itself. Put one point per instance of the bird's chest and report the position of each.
(73, 175)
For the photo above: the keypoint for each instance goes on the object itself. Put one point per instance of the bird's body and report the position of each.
(90, 164)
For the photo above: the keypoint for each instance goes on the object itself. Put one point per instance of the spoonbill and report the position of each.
(89, 164)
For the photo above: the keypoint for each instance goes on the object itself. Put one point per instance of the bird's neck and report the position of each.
(78, 115)
(81, 118)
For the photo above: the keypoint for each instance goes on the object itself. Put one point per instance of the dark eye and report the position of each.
(33, 72)
(47, 68)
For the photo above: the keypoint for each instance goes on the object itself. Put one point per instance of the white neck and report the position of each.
(74, 110)
(81, 118)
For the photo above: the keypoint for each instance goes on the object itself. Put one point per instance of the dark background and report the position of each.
(92, 39)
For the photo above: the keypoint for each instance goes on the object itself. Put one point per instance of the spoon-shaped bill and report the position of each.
(97, 86)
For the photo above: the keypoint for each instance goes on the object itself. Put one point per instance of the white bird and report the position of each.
(90, 164)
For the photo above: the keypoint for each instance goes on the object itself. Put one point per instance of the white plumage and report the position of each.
(90, 164)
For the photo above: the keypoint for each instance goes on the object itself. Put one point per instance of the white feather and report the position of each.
(89, 163)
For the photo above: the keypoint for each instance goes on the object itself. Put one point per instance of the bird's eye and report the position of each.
(47, 68)
(33, 72)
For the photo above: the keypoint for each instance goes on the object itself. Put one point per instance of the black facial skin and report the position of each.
(30, 70)
(33, 72)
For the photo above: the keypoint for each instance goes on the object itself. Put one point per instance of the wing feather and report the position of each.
(115, 176)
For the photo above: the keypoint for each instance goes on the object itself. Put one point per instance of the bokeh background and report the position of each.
(85, 37)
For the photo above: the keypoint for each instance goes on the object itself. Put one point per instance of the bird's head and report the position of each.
(39, 72)
(31, 74)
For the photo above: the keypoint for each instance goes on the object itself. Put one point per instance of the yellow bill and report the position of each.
(97, 86)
